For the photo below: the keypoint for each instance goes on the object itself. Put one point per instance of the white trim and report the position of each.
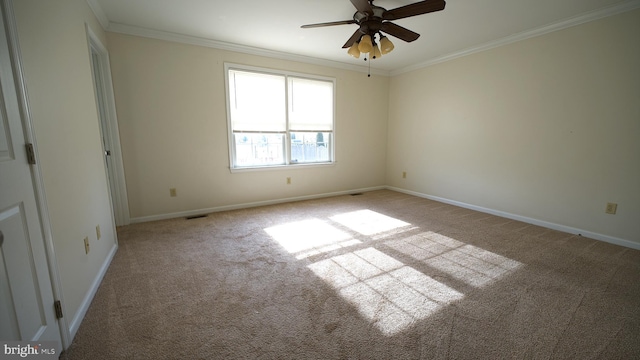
(248, 205)
(120, 201)
(99, 13)
(230, 141)
(36, 171)
(546, 224)
(86, 302)
(572, 21)
(193, 40)
(293, 166)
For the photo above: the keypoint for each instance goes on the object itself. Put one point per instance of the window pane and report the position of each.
(259, 149)
(310, 104)
(309, 147)
(257, 101)
(268, 109)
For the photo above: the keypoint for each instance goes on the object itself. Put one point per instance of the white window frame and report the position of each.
(288, 131)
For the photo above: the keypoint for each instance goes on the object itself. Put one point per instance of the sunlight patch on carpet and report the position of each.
(368, 222)
(473, 265)
(389, 294)
(310, 237)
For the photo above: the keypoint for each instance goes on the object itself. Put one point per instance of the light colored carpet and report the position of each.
(381, 275)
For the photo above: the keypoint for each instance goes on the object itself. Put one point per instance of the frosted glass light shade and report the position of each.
(353, 50)
(375, 52)
(365, 45)
(386, 45)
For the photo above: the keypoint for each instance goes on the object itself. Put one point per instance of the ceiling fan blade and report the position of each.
(419, 8)
(355, 37)
(344, 22)
(362, 6)
(399, 32)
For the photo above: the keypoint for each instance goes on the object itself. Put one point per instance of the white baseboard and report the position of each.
(546, 224)
(248, 205)
(86, 302)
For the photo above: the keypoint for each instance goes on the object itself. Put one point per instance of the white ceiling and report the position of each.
(273, 26)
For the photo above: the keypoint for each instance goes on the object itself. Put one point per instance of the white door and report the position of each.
(96, 66)
(109, 129)
(26, 296)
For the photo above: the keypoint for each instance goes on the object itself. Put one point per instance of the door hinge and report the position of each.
(58, 307)
(31, 154)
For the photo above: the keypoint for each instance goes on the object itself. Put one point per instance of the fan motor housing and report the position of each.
(370, 26)
(370, 23)
(377, 15)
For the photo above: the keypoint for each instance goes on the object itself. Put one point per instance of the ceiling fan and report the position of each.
(374, 20)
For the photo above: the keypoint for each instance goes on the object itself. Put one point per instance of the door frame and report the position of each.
(110, 132)
(36, 172)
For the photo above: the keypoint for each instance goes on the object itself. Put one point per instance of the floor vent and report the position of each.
(195, 217)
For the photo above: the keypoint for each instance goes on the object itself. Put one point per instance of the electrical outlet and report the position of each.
(288, 181)
(86, 245)
(611, 208)
(173, 192)
(98, 234)
(404, 174)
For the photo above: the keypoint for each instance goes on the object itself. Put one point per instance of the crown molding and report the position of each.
(572, 21)
(193, 40)
(99, 13)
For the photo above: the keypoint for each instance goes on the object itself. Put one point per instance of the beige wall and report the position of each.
(56, 64)
(170, 99)
(547, 128)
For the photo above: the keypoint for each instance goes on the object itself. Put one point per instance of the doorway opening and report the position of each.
(109, 129)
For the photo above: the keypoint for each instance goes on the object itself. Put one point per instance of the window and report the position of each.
(279, 118)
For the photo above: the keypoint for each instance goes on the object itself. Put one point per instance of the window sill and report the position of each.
(281, 167)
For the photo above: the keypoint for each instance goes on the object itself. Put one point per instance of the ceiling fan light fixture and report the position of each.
(353, 50)
(386, 46)
(365, 45)
(375, 52)
(373, 20)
